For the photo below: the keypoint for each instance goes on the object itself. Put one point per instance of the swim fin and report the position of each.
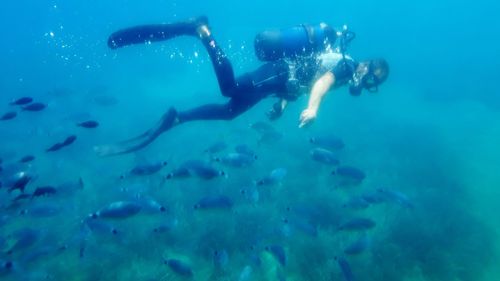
(168, 120)
(155, 32)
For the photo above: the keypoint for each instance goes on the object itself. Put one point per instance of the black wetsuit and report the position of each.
(248, 89)
(244, 91)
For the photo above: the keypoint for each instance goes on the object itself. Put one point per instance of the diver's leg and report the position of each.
(220, 62)
(227, 111)
(171, 118)
(155, 32)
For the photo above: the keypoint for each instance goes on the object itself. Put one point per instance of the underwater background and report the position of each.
(428, 141)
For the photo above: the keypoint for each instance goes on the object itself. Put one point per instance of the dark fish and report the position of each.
(178, 173)
(374, 198)
(69, 140)
(216, 147)
(346, 176)
(214, 202)
(180, 267)
(21, 196)
(151, 206)
(357, 203)
(99, 226)
(262, 127)
(396, 197)
(88, 124)
(166, 226)
(244, 149)
(42, 210)
(44, 191)
(237, 160)
(278, 252)
(69, 188)
(54, 147)
(8, 116)
(118, 210)
(202, 169)
(324, 156)
(21, 180)
(24, 239)
(6, 267)
(275, 177)
(345, 268)
(27, 158)
(304, 226)
(221, 259)
(270, 137)
(357, 224)
(21, 101)
(358, 246)
(148, 169)
(328, 142)
(37, 106)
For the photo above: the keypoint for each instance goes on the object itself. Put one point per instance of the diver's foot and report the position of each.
(200, 26)
(170, 119)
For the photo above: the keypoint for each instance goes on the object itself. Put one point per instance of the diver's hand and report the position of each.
(307, 117)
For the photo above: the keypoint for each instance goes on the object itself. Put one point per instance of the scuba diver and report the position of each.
(302, 59)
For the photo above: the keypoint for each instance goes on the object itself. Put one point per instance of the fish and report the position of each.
(179, 267)
(396, 197)
(6, 267)
(276, 176)
(349, 172)
(236, 160)
(149, 169)
(216, 147)
(118, 210)
(166, 226)
(151, 206)
(245, 149)
(88, 124)
(24, 238)
(70, 188)
(214, 202)
(8, 116)
(20, 181)
(324, 156)
(99, 226)
(146, 169)
(42, 210)
(202, 169)
(27, 158)
(359, 246)
(251, 194)
(68, 141)
(357, 203)
(21, 101)
(278, 252)
(44, 191)
(246, 273)
(220, 260)
(357, 224)
(262, 127)
(328, 142)
(181, 172)
(37, 106)
(270, 137)
(345, 268)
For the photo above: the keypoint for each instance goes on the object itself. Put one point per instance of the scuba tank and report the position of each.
(302, 40)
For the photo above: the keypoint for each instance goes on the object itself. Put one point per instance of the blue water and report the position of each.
(430, 134)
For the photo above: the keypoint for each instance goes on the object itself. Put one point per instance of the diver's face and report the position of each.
(369, 77)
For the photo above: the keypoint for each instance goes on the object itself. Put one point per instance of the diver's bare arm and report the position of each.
(318, 91)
